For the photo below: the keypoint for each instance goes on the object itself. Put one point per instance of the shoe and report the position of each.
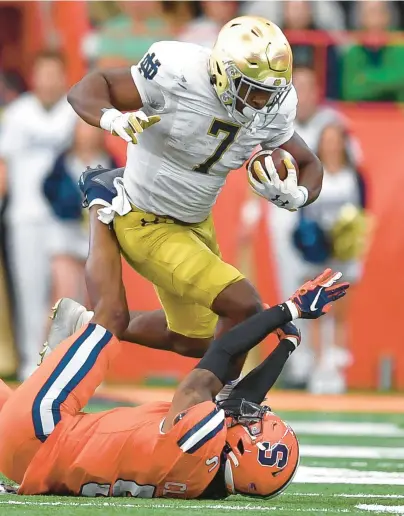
(67, 317)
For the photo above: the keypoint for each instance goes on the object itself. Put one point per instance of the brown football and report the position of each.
(278, 155)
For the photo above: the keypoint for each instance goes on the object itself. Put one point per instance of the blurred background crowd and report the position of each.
(343, 52)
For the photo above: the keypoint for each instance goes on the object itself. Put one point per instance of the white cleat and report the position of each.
(67, 317)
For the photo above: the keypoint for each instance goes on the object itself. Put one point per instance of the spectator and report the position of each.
(311, 119)
(69, 235)
(356, 15)
(312, 116)
(11, 85)
(373, 70)
(35, 128)
(125, 38)
(204, 29)
(315, 237)
(299, 14)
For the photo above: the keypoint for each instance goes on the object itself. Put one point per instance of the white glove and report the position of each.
(127, 125)
(285, 194)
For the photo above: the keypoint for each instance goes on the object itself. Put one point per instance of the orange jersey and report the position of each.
(123, 452)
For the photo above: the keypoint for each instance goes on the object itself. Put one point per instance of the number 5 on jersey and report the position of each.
(217, 127)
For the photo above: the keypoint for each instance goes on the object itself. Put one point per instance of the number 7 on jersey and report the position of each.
(217, 127)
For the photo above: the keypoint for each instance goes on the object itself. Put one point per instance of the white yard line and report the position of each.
(250, 507)
(314, 475)
(344, 428)
(350, 495)
(391, 509)
(351, 452)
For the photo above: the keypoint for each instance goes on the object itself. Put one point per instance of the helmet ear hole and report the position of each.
(240, 446)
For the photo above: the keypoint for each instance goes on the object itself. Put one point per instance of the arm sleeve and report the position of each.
(242, 338)
(255, 386)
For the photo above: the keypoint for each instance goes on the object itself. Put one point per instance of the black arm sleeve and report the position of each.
(240, 339)
(255, 386)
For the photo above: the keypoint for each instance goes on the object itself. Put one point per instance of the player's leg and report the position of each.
(104, 285)
(153, 329)
(183, 262)
(59, 388)
(186, 272)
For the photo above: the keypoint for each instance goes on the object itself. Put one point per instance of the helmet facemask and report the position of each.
(235, 98)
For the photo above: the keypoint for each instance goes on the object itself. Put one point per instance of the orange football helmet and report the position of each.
(262, 450)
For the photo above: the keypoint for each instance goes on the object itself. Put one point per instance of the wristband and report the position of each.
(305, 193)
(108, 116)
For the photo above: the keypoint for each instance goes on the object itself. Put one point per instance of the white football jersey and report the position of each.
(180, 164)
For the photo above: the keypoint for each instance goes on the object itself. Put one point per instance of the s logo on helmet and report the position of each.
(276, 455)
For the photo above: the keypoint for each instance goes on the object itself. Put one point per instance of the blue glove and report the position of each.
(312, 300)
(98, 183)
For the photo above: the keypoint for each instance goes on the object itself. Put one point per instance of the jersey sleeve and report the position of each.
(283, 126)
(156, 75)
(198, 427)
(190, 452)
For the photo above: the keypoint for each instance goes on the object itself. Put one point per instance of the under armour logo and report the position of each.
(149, 66)
(144, 222)
(278, 202)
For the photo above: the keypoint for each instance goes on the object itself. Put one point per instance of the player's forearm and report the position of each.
(241, 339)
(311, 177)
(104, 278)
(90, 96)
(255, 386)
(310, 167)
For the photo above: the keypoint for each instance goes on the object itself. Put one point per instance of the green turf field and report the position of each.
(351, 464)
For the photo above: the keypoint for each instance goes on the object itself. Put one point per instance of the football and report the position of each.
(278, 155)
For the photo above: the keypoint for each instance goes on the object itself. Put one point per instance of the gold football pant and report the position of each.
(184, 264)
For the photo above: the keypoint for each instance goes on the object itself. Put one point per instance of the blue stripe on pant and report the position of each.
(72, 384)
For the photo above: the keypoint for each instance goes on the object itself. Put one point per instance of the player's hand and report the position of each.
(127, 125)
(313, 299)
(291, 332)
(285, 194)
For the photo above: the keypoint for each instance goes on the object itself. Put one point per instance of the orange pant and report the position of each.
(60, 388)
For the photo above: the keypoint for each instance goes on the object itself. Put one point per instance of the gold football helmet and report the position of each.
(251, 55)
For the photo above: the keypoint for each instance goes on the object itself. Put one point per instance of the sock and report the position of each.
(84, 319)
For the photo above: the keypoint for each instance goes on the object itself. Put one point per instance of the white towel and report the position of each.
(120, 204)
